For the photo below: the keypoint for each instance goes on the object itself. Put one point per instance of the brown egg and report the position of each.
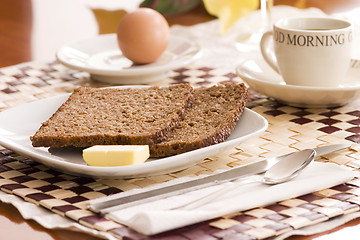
(143, 35)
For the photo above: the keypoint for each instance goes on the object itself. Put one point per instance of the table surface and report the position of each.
(21, 25)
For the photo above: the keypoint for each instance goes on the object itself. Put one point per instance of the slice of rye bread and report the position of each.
(113, 116)
(210, 120)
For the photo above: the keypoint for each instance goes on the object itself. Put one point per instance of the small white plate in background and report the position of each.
(102, 58)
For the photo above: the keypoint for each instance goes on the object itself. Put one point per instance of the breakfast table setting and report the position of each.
(216, 192)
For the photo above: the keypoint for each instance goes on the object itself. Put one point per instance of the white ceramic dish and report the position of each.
(102, 58)
(259, 76)
(19, 123)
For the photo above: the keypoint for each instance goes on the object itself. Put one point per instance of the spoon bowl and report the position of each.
(289, 167)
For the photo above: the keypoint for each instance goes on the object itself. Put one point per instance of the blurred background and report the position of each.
(35, 29)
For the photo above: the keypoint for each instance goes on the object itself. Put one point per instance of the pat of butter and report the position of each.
(115, 155)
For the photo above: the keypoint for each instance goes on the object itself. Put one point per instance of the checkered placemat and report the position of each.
(290, 129)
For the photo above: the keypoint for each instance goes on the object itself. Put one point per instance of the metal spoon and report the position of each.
(288, 167)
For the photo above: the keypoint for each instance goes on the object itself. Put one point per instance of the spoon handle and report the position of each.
(320, 151)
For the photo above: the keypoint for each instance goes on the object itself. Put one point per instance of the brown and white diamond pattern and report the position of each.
(338, 122)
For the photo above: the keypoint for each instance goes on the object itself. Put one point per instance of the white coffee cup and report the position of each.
(309, 51)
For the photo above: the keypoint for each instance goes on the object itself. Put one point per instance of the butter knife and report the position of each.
(122, 200)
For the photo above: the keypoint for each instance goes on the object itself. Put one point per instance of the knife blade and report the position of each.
(122, 200)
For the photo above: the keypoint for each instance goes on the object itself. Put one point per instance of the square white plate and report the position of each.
(19, 123)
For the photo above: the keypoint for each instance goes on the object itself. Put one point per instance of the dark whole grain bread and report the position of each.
(210, 120)
(113, 116)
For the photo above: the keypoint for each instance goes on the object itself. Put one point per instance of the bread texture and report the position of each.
(210, 120)
(114, 116)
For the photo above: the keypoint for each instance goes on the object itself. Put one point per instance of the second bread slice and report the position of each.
(210, 120)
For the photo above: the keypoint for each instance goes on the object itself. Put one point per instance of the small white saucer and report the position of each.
(102, 58)
(263, 79)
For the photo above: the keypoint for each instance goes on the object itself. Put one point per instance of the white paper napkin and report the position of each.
(155, 217)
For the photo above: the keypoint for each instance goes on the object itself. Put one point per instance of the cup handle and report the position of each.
(264, 43)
